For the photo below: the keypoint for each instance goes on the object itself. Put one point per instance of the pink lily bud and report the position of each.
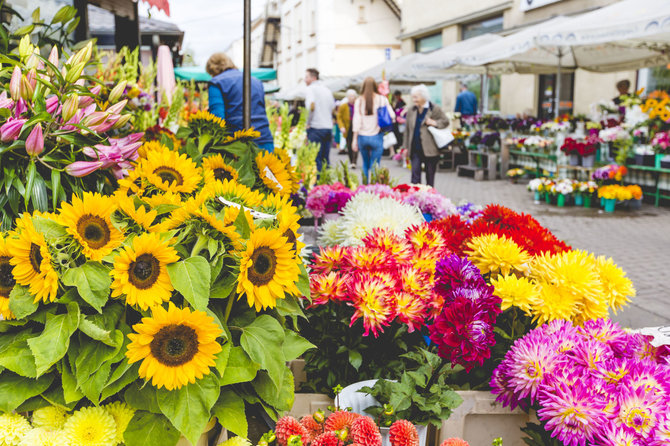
(123, 120)
(52, 104)
(35, 141)
(117, 91)
(27, 90)
(83, 168)
(53, 58)
(70, 107)
(5, 102)
(32, 78)
(11, 129)
(21, 108)
(96, 90)
(116, 108)
(15, 84)
(95, 118)
(85, 101)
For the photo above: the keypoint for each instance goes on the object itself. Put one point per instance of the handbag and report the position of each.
(384, 120)
(390, 140)
(442, 137)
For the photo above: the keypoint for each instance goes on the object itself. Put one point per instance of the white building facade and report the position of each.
(337, 37)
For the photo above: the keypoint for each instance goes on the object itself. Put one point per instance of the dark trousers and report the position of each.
(431, 167)
(324, 138)
(353, 156)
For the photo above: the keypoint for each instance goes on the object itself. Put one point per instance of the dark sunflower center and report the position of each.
(169, 175)
(222, 174)
(7, 280)
(144, 271)
(263, 266)
(94, 230)
(174, 345)
(35, 257)
(290, 235)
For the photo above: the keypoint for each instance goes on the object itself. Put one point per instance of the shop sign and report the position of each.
(527, 5)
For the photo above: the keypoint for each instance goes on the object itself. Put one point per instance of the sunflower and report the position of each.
(171, 172)
(88, 220)
(90, 426)
(292, 171)
(132, 184)
(176, 346)
(139, 215)
(273, 173)
(156, 200)
(181, 215)
(267, 269)
(288, 226)
(7, 280)
(273, 203)
(232, 191)
(31, 259)
(492, 253)
(244, 135)
(225, 231)
(219, 168)
(205, 117)
(140, 271)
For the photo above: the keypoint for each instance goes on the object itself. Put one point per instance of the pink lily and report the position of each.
(52, 104)
(35, 141)
(11, 129)
(21, 108)
(83, 168)
(5, 102)
(15, 83)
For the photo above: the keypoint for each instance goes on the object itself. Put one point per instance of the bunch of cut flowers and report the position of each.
(431, 202)
(610, 172)
(620, 193)
(327, 198)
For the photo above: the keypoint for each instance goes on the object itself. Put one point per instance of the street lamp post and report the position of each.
(246, 85)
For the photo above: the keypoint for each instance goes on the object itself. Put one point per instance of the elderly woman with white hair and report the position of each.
(345, 115)
(418, 140)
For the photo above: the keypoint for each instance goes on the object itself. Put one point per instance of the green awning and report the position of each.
(199, 74)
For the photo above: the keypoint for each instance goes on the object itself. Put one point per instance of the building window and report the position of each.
(474, 29)
(547, 95)
(312, 29)
(428, 43)
(654, 78)
(361, 14)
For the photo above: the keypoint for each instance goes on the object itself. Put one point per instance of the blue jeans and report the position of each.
(371, 148)
(324, 137)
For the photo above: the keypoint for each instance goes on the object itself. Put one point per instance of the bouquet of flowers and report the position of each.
(610, 172)
(515, 173)
(611, 134)
(565, 186)
(590, 384)
(620, 193)
(587, 187)
(431, 202)
(584, 148)
(327, 198)
(661, 142)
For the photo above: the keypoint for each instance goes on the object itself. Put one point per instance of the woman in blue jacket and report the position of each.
(226, 99)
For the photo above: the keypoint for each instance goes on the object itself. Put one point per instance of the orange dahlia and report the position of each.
(327, 439)
(403, 433)
(340, 419)
(328, 259)
(288, 426)
(327, 287)
(370, 296)
(313, 428)
(365, 432)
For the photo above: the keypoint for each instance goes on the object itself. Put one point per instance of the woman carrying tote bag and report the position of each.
(368, 135)
(418, 140)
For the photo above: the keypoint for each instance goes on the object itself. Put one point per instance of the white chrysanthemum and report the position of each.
(365, 212)
(44, 437)
(13, 427)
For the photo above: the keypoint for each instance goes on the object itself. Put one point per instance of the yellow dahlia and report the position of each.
(7, 280)
(88, 220)
(618, 288)
(171, 172)
(140, 271)
(515, 291)
(90, 426)
(424, 237)
(221, 170)
(554, 302)
(176, 346)
(31, 260)
(267, 269)
(273, 173)
(122, 414)
(13, 427)
(494, 253)
(50, 417)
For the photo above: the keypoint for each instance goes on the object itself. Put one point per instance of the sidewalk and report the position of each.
(639, 242)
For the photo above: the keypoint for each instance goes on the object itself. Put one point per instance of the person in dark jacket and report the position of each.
(418, 140)
(466, 102)
(226, 99)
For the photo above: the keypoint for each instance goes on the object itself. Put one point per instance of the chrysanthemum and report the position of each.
(31, 259)
(403, 433)
(554, 302)
(90, 426)
(571, 414)
(88, 220)
(637, 411)
(122, 414)
(365, 432)
(339, 420)
(171, 172)
(531, 360)
(494, 253)
(515, 291)
(221, 170)
(7, 280)
(13, 427)
(273, 173)
(267, 269)
(288, 426)
(176, 346)
(617, 287)
(40, 436)
(327, 287)
(370, 296)
(49, 417)
(140, 271)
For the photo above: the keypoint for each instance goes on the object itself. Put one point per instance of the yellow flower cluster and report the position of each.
(573, 285)
(620, 193)
(657, 108)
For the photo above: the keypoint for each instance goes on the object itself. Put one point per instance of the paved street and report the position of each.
(639, 242)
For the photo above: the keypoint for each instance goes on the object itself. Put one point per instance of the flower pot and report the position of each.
(645, 160)
(574, 159)
(420, 429)
(657, 160)
(480, 419)
(560, 200)
(602, 202)
(589, 160)
(634, 204)
(428, 217)
(547, 198)
(538, 196)
(610, 204)
(587, 201)
(579, 200)
(665, 163)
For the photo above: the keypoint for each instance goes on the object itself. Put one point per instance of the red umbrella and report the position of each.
(160, 5)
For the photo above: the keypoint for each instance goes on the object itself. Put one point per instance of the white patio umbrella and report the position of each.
(449, 56)
(400, 71)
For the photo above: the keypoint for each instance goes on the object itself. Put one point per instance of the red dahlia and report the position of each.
(454, 442)
(327, 439)
(313, 428)
(339, 420)
(365, 432)
(403, 433)
(287, 426)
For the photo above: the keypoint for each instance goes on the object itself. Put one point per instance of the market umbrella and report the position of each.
(400, 71)
(199, 74)
(449, 56)
(165, 73)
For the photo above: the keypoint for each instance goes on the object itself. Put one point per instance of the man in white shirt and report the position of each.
(320, 103)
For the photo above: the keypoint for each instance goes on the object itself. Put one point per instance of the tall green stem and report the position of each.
(229, 307)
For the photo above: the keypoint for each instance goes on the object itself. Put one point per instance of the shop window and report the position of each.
(547, 95)
(428, 43)
(474, 29)
(654, 78)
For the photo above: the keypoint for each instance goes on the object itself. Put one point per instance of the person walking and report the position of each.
(226, 99)
(345, 115)
(320, 104)
(399, 124)
(466, 102)
(368, 136)
(418, 140)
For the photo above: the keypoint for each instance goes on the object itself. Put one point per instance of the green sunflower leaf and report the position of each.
(230, 412)
(92, 281)
(21, 302)
(303, 283)
(149, 428)
(239, 368)
(262, 339)
(295, 345)
(15, 389)
(278, 395)
(191, 277)
(49, 347)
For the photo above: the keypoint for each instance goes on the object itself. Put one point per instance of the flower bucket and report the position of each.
(634, 204)
(657, 160)
(574, 159)
(589, 160)
(610, 204)
(420, 429)
(587, 201)
(547, 198)
(602, 202)
(560, 200)
(538, 196)
(428, 217)
(579, 200)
